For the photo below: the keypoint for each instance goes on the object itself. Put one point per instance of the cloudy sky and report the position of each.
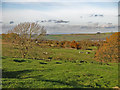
(78, 12)
(75, 11)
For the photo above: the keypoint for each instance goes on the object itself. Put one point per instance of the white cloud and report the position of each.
(72, 14)
(64, 11)
(25, 15)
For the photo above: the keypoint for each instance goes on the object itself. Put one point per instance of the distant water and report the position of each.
(67, 29)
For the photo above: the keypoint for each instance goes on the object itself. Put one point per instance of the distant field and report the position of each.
(77, 37)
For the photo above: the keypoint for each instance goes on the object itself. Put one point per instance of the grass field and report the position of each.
(77, 37)
(66, 69)
(54, 53)
(0, 36)
(29, 73)
(59, 68)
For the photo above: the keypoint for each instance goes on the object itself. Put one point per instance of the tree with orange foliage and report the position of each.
(108, 52)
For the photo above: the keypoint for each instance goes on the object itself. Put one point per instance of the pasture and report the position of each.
(29, 73)
(59, 68)
(55, 67)
(77, 37)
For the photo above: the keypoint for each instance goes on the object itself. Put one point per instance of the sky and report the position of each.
(75, 12)
(78, 12)
(60, 0)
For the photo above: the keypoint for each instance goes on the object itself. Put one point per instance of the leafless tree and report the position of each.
(26, 33)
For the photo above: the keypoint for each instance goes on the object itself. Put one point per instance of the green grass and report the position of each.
(67, 68)
(77, 37)
(0, 36)
(29, 73)
(54, 53)
(64, 70)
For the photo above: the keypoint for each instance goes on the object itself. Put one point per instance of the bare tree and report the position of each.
(26, 33)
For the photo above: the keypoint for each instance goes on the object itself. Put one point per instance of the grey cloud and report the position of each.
(11, 22)
(97, 15)
(54, 21)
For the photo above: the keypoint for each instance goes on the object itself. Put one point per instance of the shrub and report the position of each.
(108, 52)
(73, 44)
(9, 37)
(67, 44)
(85, 44)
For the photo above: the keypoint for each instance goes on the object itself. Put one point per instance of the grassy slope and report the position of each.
(55, 53)
(64, 72)
(60, 72)
(57, 74)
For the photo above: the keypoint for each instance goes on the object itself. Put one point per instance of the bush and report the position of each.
(73, 44)
(9, 37)
(85, 44)
(108, 52)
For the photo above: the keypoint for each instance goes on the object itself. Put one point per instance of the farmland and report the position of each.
(29, 73)
(59, 68)
(77, 37)
(57, 44)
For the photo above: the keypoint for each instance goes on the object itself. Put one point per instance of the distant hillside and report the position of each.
(77, 37)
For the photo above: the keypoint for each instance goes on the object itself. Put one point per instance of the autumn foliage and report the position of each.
(9, 37)
(108, 52)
